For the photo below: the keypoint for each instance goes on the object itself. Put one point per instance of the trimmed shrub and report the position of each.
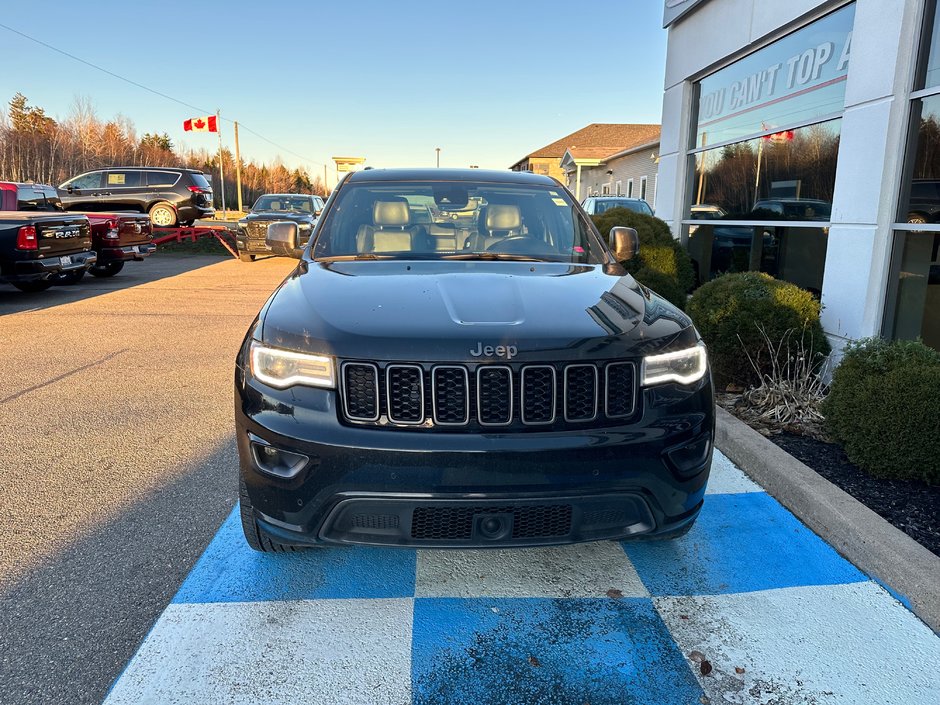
(660, 254)
(884, 408)
(734, 312)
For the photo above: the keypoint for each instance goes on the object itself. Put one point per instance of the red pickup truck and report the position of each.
(116, 237)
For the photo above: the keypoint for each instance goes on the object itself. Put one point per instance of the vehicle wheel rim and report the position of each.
(161, 216)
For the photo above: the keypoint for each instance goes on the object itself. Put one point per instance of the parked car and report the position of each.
(36, 245)
(792, 209)
(300, 208)
(170, 196)
(924, 204)
(511, 385)
(116, 237)
(593, 205)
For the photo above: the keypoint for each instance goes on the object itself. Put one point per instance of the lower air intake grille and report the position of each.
(456, 523)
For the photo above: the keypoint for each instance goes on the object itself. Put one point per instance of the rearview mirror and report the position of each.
(281, 239)
(624, 243)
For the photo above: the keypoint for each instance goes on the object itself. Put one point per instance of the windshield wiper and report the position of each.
(494, 256)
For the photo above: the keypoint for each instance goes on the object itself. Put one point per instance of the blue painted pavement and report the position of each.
(778, 615)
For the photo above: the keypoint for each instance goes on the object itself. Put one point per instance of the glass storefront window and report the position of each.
(797, 79)
(917, 297)
(794, 254)
(788, 176)
(928, 72)
(920, 198)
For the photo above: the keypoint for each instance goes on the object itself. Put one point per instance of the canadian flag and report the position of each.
(209, 123)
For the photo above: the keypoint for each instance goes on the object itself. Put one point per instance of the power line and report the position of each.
(154, 91)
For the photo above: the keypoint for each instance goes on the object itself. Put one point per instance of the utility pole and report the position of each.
(238, 169)
(218, 123)
(325, 186)
(438, 150)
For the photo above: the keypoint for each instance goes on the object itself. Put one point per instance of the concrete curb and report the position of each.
(871, 543)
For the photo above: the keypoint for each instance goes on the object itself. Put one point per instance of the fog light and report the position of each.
(275, 461)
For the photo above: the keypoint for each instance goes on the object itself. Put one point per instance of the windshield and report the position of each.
(456, 220)
(297, 204)
(637, 206)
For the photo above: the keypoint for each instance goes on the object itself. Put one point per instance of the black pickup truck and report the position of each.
(37, 246)
(116, 237)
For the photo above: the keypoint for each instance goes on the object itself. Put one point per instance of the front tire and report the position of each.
(33, 286)
(162, 215)
(257, 540)
(106, 270)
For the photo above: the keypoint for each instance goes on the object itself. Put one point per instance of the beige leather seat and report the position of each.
(391, 230)
(499, 221)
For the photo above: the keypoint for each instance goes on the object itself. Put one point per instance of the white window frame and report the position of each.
(643, 181)
(629, 188)
(605, 190)
(619, 187)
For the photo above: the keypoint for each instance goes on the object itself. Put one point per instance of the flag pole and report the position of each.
(218, 124)
(238, 170)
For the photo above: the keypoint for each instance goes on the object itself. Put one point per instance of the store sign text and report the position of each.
(797, 73)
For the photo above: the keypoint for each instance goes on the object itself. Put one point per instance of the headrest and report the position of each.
(390, 213)
(502, 217)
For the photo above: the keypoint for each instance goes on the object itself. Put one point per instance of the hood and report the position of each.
(456, 310)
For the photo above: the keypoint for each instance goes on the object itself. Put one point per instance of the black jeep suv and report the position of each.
(494, 380)
(303, 209)
(170, 195)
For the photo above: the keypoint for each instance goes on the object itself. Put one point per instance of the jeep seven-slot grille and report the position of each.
(488, 396)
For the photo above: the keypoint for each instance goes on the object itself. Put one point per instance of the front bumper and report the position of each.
(39, 269)
(436, 489)
(127, 253)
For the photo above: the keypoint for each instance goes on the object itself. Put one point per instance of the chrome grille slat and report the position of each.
(580, 393)
(537, 382)
(494, 395)
(620, 390)
(404, 390)
(466, 396)
(360, 391)
(450, 395)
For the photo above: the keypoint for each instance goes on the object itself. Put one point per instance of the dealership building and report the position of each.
(802, 139)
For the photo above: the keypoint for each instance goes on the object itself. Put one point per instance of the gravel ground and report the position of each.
(117, 461)
(913, 507)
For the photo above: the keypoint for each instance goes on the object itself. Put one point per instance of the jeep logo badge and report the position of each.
(507, 351)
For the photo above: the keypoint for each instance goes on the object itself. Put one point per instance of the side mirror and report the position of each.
(281, 238)
(70, 189)
(623, 242)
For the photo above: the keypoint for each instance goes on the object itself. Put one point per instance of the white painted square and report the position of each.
(847, 644)
(726, 478)
(579, 570)
(274, 653)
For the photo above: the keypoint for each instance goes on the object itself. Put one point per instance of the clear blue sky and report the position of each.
(486, 81)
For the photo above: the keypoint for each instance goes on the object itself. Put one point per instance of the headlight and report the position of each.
(304, 226)
(285, 368)
(243, 223)
(683, 366)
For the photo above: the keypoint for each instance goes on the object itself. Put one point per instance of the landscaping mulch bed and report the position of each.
(913, 507)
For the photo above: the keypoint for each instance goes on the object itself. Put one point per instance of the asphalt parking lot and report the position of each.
(116, 459)
(124, 563)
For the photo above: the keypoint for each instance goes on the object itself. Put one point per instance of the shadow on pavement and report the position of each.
(159, 266)
(69, 626)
